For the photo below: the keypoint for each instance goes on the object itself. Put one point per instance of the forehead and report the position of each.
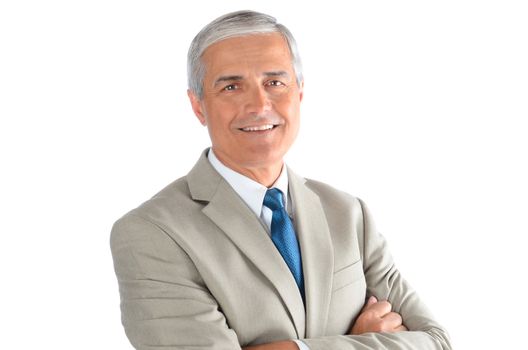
(253, 52)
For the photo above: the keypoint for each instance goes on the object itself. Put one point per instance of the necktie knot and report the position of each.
(273, 199)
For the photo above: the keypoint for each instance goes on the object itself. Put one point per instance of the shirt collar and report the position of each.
(251, 192)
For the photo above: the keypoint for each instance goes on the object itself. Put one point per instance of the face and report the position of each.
(251, 100)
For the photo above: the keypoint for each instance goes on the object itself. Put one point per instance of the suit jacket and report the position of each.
(197, 270)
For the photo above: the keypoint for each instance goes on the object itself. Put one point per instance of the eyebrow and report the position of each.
(227, 78)
(280, 73)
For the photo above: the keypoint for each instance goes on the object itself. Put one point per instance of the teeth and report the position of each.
(258, 128)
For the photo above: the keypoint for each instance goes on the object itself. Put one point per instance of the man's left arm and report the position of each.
(385, 282)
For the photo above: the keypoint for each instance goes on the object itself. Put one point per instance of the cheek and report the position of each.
(291, 111)
(220, 118)
(218, 114)
(295, 115)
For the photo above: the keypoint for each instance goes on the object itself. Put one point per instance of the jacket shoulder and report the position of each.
(167, 205)
(331, 195)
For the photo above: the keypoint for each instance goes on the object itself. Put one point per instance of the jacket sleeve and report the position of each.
(386, 283)
(164, 302)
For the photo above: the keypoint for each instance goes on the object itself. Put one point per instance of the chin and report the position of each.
(263, 158)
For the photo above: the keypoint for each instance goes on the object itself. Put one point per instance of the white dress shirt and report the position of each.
(253, 193)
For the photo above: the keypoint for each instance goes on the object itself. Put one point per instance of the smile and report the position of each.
(259, 128)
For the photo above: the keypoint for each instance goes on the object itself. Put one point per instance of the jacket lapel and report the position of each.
(316, 251)
(239, 223)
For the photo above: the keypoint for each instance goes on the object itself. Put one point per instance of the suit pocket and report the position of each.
(348, 275)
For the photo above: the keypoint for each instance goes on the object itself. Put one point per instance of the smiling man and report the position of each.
(250, 103)
(243, 252)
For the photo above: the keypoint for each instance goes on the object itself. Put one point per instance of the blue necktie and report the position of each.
(283, 235)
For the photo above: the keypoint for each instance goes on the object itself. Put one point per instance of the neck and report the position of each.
(265, 175)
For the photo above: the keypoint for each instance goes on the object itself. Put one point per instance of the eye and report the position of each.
(275, 83)
(230, 87)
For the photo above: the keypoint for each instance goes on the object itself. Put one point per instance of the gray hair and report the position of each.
(235, 24)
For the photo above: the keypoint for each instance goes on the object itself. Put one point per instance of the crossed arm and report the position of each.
(376, 316)
(171, 310)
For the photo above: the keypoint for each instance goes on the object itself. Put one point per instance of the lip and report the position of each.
(262, 128)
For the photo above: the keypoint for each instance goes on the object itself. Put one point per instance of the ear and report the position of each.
(301, 91)
(197, 107)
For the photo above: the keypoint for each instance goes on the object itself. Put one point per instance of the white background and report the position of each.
(418, 107)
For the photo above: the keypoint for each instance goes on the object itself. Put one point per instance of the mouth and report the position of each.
(259, 128)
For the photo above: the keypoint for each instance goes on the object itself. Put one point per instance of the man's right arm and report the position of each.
(164, 302)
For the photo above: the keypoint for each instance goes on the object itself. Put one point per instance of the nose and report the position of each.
(258, 102)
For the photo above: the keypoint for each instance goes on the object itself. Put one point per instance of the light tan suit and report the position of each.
(197, 270)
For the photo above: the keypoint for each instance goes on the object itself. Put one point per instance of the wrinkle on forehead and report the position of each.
(252, 54)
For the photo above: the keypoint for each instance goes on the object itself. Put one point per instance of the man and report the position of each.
(244, 252)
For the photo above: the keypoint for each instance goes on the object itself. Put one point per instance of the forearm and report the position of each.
(430, 340)
(433, 339)
(282, 345)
